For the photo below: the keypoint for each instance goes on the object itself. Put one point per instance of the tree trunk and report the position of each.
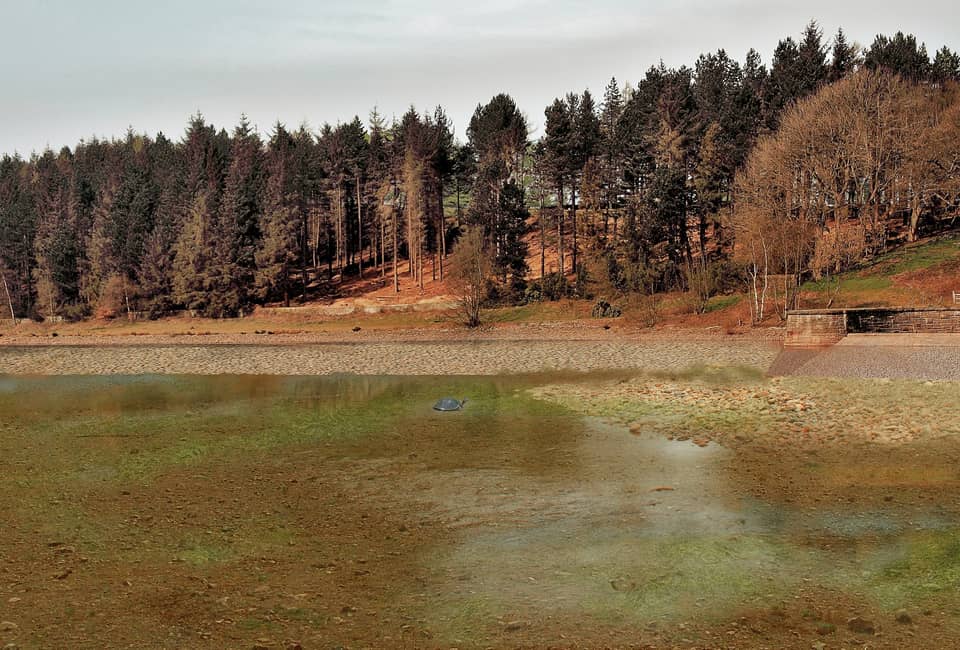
(458, 201)
(443, 245)
(420, 254)
(359, 230)
(316, 246)
(341, 256)
(396, 273)
(410, 244)
(560, 254)
(702, 231)
(304, 248)
(543, 236)
(126, 299)
(914, 219)
(573, 226)
(6, 290)
(442, 228)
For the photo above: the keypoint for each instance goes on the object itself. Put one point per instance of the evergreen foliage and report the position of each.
(641, 185)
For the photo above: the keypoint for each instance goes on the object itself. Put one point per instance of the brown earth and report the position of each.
(343, 545)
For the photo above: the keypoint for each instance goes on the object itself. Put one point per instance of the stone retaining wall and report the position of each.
(897, 321)
(814, 327)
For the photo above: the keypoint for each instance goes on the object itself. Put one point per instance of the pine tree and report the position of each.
(498, 137)
(277, 256)
(377, 181)
(231, 267)
(101, 263)
(57, 247)
(610, 151)
(843, 58)
(308, 180)
(900, 55)
(797, 71)
(558, 143)
(946, 66)
(156, 276)
(191, 256)
(17, 233)
(813, 59)
(442, 166)
(587, 141)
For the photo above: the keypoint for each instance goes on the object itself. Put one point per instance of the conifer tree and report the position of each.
(900, 55)
(231, 268)
(277, 255)
(610, 152)
(843, 57)
(946, 66)
(558, 144)
(192, 253)
(498, 137)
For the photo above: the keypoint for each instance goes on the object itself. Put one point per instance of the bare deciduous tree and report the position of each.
(846, 169)
(471, 269)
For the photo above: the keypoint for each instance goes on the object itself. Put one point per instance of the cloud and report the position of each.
(100, 65)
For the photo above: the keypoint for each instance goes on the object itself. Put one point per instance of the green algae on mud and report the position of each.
(922, 567)
(546, 515)
(132, 428)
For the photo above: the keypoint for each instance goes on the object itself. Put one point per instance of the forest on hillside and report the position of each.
(695, 179)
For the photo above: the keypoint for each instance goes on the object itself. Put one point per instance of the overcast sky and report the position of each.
(76, 68)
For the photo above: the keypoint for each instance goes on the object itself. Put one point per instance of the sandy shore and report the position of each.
(485, 357)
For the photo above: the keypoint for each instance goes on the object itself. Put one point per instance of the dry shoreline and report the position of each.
(541, 331)
(479, 357)
(501, 349)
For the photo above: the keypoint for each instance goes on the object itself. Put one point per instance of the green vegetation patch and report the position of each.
(923, 568)
(918, 258)
(719, 303)
(617, 576)
(880, 274)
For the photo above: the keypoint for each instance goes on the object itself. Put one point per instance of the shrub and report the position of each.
(604, 309)
(533, 293)
(650, 310)
(701, 281)
(554, 286)
(113, 298)
(615, 273)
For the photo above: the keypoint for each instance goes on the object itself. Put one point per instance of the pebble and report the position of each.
(860, 625)
(392, 358)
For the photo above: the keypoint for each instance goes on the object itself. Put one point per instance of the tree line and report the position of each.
(659, 185)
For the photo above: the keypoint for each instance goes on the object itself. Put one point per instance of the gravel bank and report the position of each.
(433, 358)
(589, 330)
(929, 362)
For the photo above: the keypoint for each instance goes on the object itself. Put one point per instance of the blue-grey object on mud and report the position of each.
(449, 404)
